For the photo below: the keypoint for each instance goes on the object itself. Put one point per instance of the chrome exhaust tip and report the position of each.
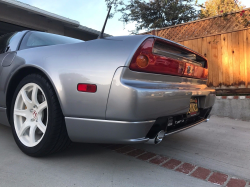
(208, 118)
(158, 138)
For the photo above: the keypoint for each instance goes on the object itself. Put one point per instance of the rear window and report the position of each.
(39, 39)
(179, 53)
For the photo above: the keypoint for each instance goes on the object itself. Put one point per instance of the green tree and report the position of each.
(219, 7)
(154, 14)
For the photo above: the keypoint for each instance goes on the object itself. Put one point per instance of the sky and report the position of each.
(90, 13)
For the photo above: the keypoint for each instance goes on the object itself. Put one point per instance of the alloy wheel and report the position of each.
(30, 114)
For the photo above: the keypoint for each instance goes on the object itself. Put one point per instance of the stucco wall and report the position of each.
(236, 107)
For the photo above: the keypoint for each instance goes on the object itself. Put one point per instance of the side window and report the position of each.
(5, 41)
(39, 39)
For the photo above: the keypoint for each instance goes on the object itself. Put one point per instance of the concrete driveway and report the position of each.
(220, 146)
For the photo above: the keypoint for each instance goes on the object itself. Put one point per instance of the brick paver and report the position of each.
(171, 164)
(159, 160)
(146, 156)
(236, 183)
(218, 178)
(126, 149)
(201, 173)
(136, 152)
(186, 168)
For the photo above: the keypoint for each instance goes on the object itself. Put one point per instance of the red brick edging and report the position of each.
(179, 166)
(232, 97)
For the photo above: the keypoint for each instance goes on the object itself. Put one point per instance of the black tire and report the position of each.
(56, 137)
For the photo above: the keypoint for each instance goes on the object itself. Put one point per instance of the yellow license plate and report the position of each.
(193, 108)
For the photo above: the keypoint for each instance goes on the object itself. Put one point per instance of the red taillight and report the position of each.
(145, 61)
(87, 88)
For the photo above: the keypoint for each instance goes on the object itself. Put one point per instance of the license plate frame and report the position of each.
(193, 107)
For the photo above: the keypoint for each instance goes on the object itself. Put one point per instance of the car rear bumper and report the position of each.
(107, 131)
(117, 132)
(141, 105)
(136, 96)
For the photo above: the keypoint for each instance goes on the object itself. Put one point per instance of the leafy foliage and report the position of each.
(153, 14)
(219, 7)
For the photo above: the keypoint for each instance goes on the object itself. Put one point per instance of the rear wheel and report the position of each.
(36, 118)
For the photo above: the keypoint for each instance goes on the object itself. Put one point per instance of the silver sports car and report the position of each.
(130, 89)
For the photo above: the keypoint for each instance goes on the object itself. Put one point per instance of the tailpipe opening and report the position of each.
(208, 118)
(158, 138)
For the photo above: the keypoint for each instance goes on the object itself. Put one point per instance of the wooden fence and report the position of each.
(228, 57)
(224, 41)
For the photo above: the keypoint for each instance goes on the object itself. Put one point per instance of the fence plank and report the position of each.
(190, 44)
(248, 56)
(199, 46)
(245, 56)
(213, 58)
(182, 43)
(219, 60)
(210, 67)
(186, 43)
(230, 56)
(195, 45)
(241, 44)
(224, 57)
(235, 58)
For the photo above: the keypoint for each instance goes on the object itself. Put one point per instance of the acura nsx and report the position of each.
(121, 90)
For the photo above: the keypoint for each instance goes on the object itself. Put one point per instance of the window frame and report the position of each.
(23, 43)
(8, 42)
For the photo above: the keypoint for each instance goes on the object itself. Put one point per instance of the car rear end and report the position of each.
(164, 83)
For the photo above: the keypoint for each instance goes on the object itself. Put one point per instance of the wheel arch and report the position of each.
(15, 79)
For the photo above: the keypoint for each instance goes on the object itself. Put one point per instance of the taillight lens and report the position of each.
(142, 61)
(145, 61)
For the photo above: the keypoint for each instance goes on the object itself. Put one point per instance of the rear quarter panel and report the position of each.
(93, 62)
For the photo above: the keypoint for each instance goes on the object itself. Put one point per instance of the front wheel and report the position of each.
(36, 118)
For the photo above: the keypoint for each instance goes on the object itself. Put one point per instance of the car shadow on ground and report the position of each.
(74, 150)
(215, 146)
(82, 165)
(80, 150)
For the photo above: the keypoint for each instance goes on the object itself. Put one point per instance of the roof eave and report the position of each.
(38, 11)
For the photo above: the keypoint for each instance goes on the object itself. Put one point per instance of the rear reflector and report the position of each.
(91, 88)
(145, 60)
